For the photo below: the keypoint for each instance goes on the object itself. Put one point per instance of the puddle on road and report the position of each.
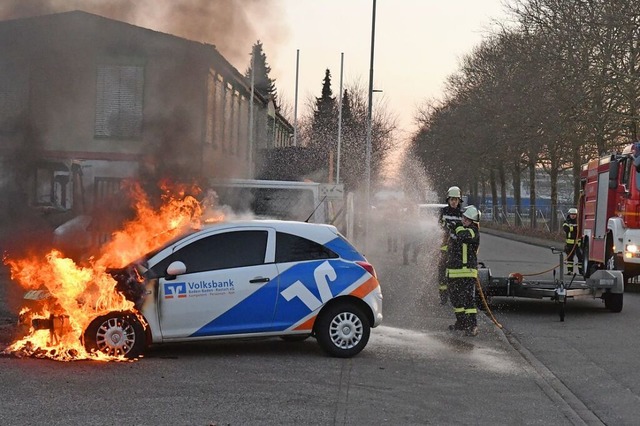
(440, 345)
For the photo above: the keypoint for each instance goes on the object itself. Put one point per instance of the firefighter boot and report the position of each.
(459, 325)
(471, 328)
(570, 267)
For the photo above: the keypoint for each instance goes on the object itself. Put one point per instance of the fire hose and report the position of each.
(519, 277)
(573, 249)
(485, 304)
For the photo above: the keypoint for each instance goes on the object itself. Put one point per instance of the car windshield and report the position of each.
(152, 253)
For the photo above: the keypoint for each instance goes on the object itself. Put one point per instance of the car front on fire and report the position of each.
(261, 278)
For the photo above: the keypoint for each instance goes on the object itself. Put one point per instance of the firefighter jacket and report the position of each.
(450, 218)
(462, 258)
(570, 228)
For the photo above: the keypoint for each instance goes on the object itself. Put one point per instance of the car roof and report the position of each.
(318, 232)
(279, 225)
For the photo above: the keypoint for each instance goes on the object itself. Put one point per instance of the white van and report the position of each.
(273, 199)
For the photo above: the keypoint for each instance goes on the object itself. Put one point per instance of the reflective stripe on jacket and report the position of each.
(570, 228)
(462, 256)
(449, 220)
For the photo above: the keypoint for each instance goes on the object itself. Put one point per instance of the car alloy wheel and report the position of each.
(342, 330)
(118, 334)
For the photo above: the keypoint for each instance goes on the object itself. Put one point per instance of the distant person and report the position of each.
(390, 218)
(572, 246)
(411, 235)
(462, 271)
(450, 218)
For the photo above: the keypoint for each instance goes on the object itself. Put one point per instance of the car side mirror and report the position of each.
(176, 268)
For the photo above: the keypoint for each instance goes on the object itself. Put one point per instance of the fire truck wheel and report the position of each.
(615, 262)
(613, 301)
(342, 329)
(118, 334)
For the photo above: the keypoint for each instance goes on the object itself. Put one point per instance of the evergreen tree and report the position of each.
(324, 128)
(352, 145)
(262, 82)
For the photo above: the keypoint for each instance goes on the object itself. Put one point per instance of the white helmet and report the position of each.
(573, 210)
(454, 192)
(471, 213)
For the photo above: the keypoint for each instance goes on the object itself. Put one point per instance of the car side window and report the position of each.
(221, 251)
(292, 248)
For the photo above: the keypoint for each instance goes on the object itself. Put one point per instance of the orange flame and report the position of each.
(79, 294)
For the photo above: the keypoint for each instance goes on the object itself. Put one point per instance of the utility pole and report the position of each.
(339, 119)
(253, 72)
(369, 125)
(295, 108)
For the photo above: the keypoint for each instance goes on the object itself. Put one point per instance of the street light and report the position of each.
(369, 125)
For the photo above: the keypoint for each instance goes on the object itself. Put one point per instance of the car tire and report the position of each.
(117, 334)
(613, 301)
(342, 330)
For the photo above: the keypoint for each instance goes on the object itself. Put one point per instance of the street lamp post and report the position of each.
(369, 125)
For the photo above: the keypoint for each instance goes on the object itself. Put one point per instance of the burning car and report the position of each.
(232, 279)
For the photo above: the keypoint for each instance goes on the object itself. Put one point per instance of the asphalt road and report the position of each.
(591, 356)
(414, 371)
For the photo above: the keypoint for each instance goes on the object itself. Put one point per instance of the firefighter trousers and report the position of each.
(462, 292)
(573, 253)
(442, 275)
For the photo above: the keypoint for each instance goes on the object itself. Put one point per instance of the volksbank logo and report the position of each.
(175, 290)
(211, 285)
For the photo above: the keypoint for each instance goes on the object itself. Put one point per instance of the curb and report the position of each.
(570, 405)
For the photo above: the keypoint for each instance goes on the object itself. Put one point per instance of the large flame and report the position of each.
(59, 289)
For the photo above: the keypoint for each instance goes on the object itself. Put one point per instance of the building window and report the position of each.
(119, 97)
(211, 108)
(226, 131)
(218, 122)
(244, 126)
(236, 123)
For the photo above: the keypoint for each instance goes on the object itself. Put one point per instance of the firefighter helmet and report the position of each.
(454, 192)
(573, 210)
(471, 213)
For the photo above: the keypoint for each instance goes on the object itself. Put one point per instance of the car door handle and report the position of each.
(258, 280)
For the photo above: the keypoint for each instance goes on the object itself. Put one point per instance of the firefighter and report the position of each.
(572, 246)
(462, 271)
(450, 218)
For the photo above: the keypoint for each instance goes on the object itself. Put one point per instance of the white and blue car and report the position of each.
(246, 279)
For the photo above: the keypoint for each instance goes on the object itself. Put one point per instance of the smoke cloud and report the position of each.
(231, 25)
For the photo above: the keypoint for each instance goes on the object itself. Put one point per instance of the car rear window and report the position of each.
(293, 248)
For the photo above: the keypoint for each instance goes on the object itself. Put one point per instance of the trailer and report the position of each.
(607, 285)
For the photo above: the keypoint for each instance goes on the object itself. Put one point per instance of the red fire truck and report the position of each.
(610, 213)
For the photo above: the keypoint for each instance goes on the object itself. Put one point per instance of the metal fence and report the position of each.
(540, 218)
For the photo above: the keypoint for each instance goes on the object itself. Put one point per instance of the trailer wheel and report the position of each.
(562, 306)
(613, 301)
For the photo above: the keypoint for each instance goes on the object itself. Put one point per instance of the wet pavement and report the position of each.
(414, 371)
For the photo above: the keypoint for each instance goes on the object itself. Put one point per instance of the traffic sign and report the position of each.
(331, 191)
